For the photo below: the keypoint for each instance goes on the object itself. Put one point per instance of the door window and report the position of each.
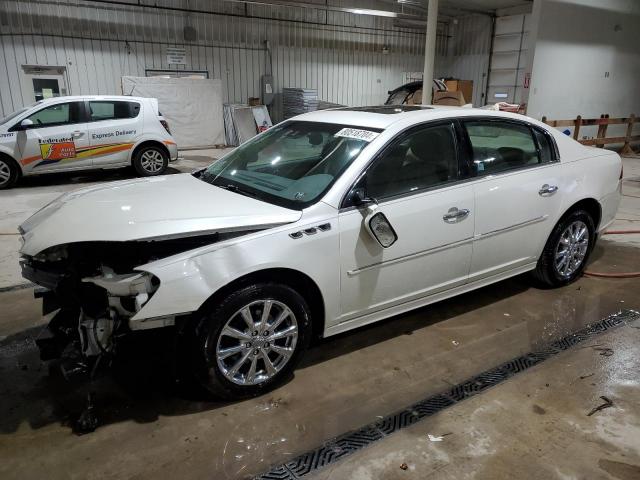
(424, 158)
(112, 110)
(59, 114)
(501, 146)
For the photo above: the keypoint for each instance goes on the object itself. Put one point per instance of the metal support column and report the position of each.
(429, 52)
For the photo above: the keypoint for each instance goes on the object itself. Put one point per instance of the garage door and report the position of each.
(508, 59)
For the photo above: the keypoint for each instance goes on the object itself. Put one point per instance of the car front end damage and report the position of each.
(92, 290)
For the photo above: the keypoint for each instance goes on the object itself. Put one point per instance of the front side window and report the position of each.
(424, 158)
(112, 110)
(500, 146)
(291, 164)
(59, 114)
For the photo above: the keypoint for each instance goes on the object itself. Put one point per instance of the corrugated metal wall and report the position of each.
(338, 53)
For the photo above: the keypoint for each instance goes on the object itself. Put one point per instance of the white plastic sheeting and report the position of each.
(193, 107)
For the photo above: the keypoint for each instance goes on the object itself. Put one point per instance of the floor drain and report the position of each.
(349, 443)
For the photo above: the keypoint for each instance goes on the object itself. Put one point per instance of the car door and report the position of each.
(56, 138)
(419, 187)
(114, 126)
(517, 195)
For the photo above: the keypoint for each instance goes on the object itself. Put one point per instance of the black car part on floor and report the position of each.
(349, 443)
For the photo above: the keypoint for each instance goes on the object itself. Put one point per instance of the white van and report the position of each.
(85, 132)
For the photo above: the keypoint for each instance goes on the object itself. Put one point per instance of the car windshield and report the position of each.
(13, 115)
(291, 164)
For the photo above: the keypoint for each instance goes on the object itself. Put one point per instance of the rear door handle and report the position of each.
(77, 133)
(455, 215)
(547, 190)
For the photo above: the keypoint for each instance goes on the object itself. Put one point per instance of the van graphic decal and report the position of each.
(51, 153)
(57, 151)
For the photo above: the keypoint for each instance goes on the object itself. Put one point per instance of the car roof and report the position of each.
(382, 117)
(71, 98)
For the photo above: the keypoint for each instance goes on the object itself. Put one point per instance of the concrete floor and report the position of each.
(519, 429)
(150, 429)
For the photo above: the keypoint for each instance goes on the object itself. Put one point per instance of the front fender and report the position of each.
(188, 282)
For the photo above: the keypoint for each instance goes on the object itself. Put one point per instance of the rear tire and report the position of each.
(567, 250)
(150, 161)
(9, 172)
(234, 360)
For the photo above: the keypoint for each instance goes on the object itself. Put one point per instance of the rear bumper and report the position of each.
(173, 152)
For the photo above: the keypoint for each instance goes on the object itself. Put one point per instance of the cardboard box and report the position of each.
(464, 86)
(453, 99)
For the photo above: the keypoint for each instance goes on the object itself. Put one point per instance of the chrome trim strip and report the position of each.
(482, 236)
(410, 256)
(429, 251)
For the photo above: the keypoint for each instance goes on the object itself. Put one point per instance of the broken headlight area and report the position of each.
(94, 290)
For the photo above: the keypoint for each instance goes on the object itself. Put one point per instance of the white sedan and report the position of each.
(324, 223)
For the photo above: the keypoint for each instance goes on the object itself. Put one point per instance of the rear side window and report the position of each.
(59, 114)
(544, 144)
(112, 110)
(501, 146)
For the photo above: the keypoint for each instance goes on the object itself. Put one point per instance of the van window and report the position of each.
(58, 114)
(112, 110)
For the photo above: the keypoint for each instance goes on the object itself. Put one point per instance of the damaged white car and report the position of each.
(324, 223)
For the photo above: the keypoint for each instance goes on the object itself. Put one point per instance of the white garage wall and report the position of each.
(577, 42)
(339, 54)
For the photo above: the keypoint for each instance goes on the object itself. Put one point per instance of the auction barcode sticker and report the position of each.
(365, 135)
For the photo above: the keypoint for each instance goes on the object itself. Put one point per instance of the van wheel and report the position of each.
(567, 250)
(150, 161)
(8, 173)
(251, 341)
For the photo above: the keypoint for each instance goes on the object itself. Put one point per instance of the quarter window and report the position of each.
(501, 146)
(58, 114)
(544, 146)
(112, 110)
(425, 158)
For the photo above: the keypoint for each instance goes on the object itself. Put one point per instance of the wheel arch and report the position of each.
(149, 143)
(590, 205)
(15, 162)
(298, 281)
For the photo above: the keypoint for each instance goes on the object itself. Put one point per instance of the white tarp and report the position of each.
(192, 106)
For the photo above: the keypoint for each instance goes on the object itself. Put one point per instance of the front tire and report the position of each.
(251, 341)
(9, 173)
(150, 161)
(567, 250)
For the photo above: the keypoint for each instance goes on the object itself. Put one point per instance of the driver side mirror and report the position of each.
(379, 227)
(23, 125)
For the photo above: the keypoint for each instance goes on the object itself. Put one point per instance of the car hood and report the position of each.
(169, 206)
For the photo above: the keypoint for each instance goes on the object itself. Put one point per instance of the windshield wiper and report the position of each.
(236, 189)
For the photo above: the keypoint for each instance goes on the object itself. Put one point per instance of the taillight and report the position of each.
(166, 126)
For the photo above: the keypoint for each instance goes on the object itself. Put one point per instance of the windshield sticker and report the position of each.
(365, 135)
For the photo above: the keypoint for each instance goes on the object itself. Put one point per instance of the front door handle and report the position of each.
(455, 215)
(77, 133)
(547, 190)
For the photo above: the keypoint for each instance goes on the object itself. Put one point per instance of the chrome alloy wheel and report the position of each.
(5, 172)
(257, 342)
(572, 248)
(152, 161)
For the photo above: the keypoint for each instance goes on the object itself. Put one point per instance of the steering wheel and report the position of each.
(39, 121)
